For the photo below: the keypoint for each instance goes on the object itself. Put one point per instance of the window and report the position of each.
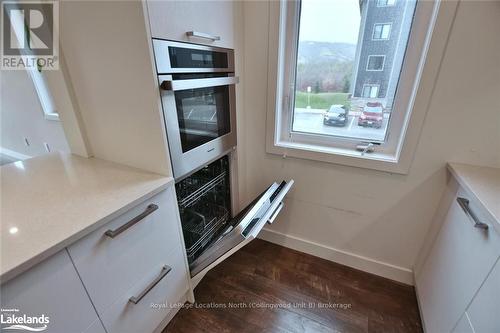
(386, 3)
(381, 31)
(323, 67)
(370, 90)
(44, 95)
(375, 63)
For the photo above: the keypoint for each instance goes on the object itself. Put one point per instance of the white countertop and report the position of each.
(48, 202)
(483, 183)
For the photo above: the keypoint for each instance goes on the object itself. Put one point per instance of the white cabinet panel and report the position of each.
(111, 266)
(172, 19)
(51, 288)
(463, 325)
(457, 264)
(484, 311)
(126, 317)
(96, 327)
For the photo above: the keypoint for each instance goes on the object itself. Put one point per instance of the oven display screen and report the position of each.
(191, 58)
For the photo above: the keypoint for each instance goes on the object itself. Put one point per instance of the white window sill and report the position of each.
(348, 157)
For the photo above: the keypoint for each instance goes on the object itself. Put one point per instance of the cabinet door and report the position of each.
(172, 19)
(461, 257)
(53, 289)
(484, 311)
(463, 325)
(109, 265)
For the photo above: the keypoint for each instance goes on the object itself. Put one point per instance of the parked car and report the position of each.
(336, 115)
(372, 115)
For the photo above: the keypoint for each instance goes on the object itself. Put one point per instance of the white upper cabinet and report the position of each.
(173, 19)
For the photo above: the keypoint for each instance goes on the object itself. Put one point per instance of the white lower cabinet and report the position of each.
(124, 316)
(53, 289)
(484, 311)
(96, 327)
(458, 263)
(110, 266)
(117, 281)
(133, 263)
(463, 325)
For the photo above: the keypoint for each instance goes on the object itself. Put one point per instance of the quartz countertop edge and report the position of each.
(484, 184)
(117, 189)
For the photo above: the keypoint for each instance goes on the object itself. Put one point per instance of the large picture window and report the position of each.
(337, 63)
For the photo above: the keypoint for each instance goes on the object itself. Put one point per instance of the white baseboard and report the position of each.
(13, 154)
(400, 274)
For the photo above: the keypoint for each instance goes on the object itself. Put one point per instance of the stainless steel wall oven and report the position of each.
(197, 85)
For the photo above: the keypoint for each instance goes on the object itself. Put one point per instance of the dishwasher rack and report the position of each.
(190, 191)
(205, 206)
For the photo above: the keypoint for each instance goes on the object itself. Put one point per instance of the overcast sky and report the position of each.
(330, 21)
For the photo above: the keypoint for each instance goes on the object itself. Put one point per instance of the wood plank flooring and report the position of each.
(268, 288)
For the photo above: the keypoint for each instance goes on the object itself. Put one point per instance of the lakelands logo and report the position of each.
(30, 35)
(10, 319)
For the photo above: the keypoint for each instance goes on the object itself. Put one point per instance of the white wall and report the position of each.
(22, 116)
(365, 216)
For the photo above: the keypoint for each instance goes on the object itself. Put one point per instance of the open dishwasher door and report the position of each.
(242, 228)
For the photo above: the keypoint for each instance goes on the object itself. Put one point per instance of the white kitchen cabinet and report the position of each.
(52, 288)
(484, 311)
(172, 19)
(458, 263)
(110, 266)
(463, 325)
(125, 316)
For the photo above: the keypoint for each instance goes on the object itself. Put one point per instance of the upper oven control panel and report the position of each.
(176, 57)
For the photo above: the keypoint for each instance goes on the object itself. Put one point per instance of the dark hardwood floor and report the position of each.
(268, 288)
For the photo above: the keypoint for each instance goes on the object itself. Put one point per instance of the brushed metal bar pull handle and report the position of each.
(164, 271)
(203, 35)
(174, 85)
(113, 233)
(464, 204)
(275, 213)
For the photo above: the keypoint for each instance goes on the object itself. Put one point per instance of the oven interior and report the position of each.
(204, 201)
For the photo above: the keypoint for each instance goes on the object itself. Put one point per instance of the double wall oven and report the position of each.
(197, 86)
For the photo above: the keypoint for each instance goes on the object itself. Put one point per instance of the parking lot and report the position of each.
(311, 121)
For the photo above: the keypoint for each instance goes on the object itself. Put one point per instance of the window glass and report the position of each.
(341, 62)
(375, 63)
(382, 31)
(385, 3)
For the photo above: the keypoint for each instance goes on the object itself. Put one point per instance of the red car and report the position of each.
(372, 115)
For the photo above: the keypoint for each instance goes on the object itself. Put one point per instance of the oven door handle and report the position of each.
(174, 85)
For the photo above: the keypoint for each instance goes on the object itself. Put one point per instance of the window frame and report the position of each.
(381, 32)
(371, 85)
(386, 3)
(44, 95)
(396, 154)
(368, 63)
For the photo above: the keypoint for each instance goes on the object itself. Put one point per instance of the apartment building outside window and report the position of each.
(375, 63)
(386, 3)
(382, 31)
(370, 90)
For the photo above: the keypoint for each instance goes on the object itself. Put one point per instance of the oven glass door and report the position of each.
(203, 115)
(200, 118)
